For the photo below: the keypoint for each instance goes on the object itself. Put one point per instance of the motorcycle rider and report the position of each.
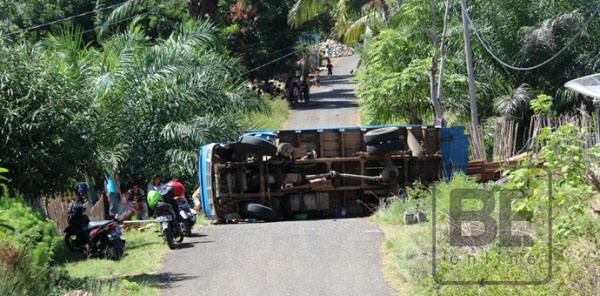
(179, 189)
(169, 192)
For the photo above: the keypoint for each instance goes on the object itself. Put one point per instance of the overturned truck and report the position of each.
(322, 173)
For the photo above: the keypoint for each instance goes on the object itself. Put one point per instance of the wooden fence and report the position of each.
(55, 208)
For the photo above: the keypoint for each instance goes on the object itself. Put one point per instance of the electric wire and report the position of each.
(108, 24)
(275, 60)
(64, 19)
(499, 60)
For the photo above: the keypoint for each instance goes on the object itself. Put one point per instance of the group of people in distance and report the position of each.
(132, 204)
(297, 90)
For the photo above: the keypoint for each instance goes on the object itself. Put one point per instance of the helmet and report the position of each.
(82, 189)
(153, 198)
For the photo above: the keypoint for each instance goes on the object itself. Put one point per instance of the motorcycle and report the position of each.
(102, 238)
(170, 225)
(166, 218)
(187, 214)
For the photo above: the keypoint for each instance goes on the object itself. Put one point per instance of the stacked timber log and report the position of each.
(487, 171)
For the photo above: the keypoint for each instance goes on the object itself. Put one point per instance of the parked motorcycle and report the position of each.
(187, 214)
(170, 226)
(101, 238)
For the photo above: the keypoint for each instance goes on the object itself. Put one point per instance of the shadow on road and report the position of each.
(166, 279)
(186, 245)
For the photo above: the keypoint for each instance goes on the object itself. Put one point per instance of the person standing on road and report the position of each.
(196, 197)
(329, 69)
(295, 93)
(327, 51)
(306, 89)
(112, 187)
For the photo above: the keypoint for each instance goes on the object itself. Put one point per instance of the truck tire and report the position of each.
(260, 212)
(382, 135)
(259, 144)
(385, 148)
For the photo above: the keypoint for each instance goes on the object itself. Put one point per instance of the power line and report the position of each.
(105, 25)
(538, 65)
(64, 19)
(275, 60)
(101, 26)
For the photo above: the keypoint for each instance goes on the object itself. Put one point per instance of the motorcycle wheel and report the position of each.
(71, 242)
(181, 234)
(113, 251)
(187, 228)
(168, 236)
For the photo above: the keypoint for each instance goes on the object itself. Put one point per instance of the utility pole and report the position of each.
(469, 55)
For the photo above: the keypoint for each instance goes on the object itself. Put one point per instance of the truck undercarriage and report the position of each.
(323, 173)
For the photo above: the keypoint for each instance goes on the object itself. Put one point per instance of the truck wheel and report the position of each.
(382, 135)
(262, 145)
(258, 211)
(385, 148)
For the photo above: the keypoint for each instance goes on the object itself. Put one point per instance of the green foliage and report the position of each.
(272, 119)
(574, 230)
(42, 112)
(32, 230)
(129, 286)
(133, 105)
(257, 33)
(541, 104)
(20, 14)
(2, 171)
(21, 275)
(393, 84)
(523, 33)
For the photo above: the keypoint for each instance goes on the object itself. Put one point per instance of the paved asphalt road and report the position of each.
(333, 103)
(324, 257)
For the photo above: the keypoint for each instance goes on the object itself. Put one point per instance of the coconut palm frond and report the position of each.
(515, 100)
(305, 10)
(356, 29)
(112, 158)
(126, 10)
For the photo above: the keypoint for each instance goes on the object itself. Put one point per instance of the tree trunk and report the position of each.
(469, 55)
(443, 50)
(437, 107)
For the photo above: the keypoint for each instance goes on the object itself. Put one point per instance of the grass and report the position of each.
(132, 275)
(408, 249)
(275, 118)
(201, 220)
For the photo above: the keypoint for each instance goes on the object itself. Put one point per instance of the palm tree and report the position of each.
(153, 104)
(351, 17)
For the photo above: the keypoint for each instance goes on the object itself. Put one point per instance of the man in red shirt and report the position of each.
(178, 189)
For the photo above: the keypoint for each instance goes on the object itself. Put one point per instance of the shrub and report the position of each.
(35, 233)
(21, 275)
